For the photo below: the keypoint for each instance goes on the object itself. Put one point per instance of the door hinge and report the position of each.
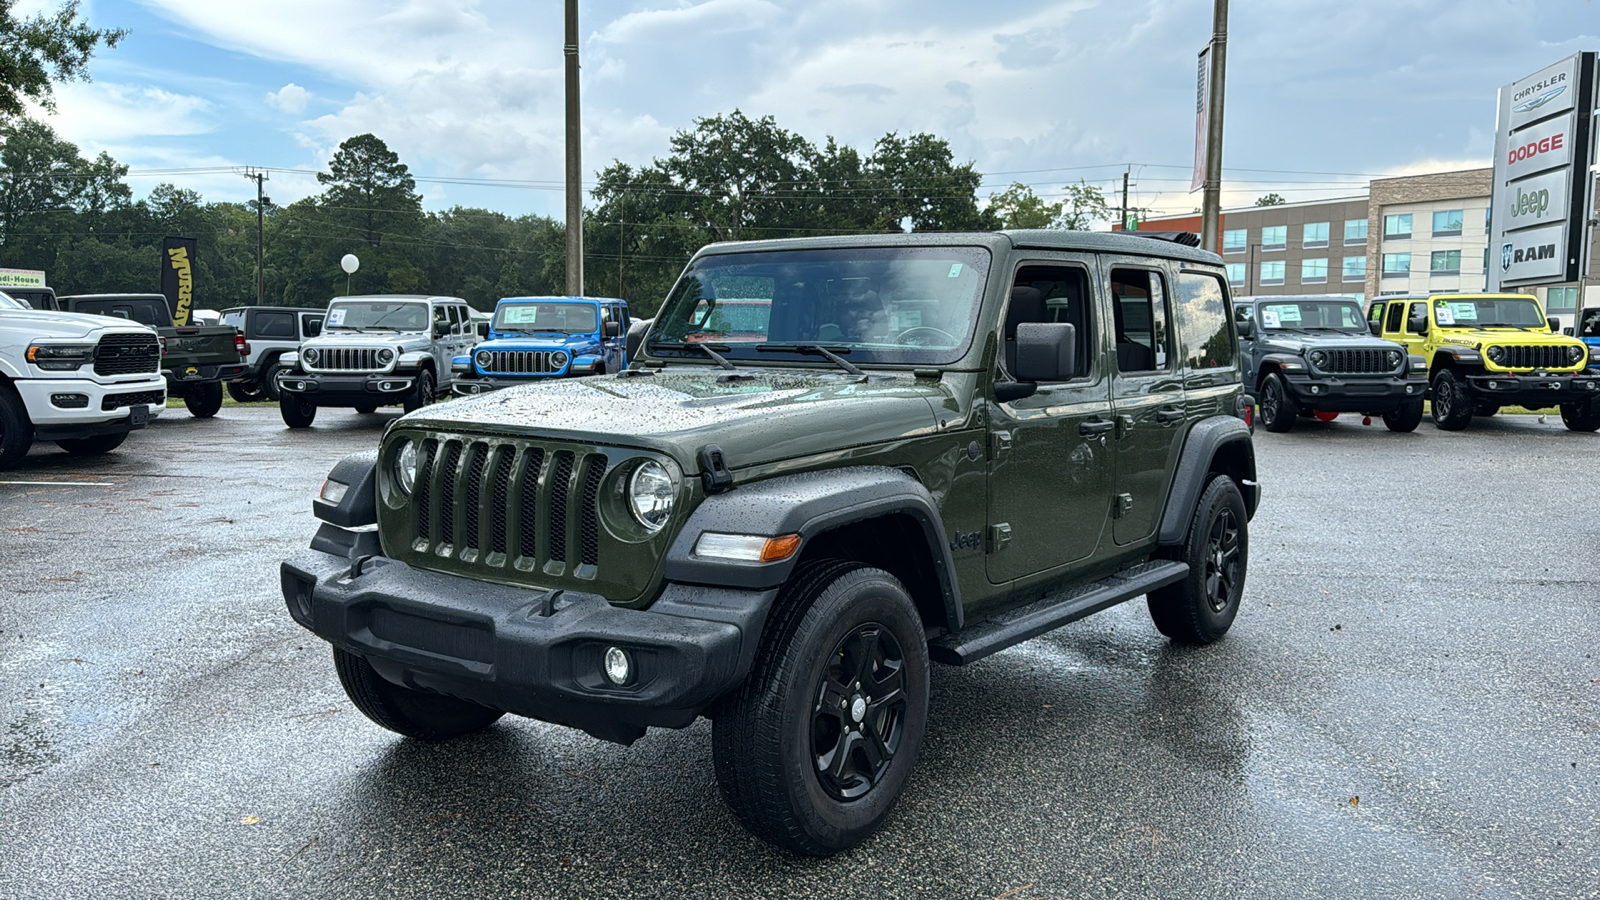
(999, 536)
(1122, 506)
(999, 442)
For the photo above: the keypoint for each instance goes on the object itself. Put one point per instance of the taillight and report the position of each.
(240, 345)
(163, 340)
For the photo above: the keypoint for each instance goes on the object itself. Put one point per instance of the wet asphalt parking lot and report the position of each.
(1407, 706)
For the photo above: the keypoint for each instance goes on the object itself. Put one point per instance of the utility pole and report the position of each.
(259, 176)
(1125, 199)
(574, 159)
(1211, 199)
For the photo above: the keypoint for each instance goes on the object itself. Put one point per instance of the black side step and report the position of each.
(1053, 611)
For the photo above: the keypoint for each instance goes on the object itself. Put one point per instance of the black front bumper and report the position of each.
(470, 385)
(1535, 391)
(1362, 394)
(532, 652)
(349, 390)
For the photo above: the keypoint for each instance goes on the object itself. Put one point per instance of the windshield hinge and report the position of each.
(714, 473)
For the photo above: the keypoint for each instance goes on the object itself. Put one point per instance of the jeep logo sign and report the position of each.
(1537, 200)
(1535, 253)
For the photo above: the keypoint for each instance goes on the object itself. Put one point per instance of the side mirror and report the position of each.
(313, 328)
(441, 329)
(1554, 323)
(1375, 327)
(1417, 324)
(1046, 351)
(1246, 328)
(611, 329)
(483, 331)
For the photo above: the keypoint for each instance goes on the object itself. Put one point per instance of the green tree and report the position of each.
(1082, 206)
(1019, 207)
(917, 181)
(1273, 199)
(368, 186)
(41, 49)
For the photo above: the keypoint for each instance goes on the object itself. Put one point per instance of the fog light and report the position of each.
(1316, 389)
(69, 401)
(333, 491)
(618, 667)
(1493, 385)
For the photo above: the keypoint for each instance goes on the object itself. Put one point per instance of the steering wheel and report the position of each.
(904, 337)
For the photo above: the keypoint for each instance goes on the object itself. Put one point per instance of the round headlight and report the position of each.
(1496, 354)
(1395, 358)
(1318, 358)
(483, 359)
(310, 355)
(650, 495)
(385, 356)
(558, 359)
(405, 465)
(1574, 353)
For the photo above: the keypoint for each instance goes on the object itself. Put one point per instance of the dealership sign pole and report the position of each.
(1208, 168)
(1539, 231)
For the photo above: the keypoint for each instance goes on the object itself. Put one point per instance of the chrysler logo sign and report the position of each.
(1539, 100)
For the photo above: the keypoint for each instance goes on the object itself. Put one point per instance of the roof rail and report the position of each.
(1186, 238)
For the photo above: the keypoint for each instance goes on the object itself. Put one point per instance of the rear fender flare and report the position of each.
(1208, 439)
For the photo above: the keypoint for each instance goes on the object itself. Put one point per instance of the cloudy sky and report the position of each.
(1320, 95)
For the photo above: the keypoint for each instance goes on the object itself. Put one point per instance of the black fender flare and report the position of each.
(1458, 354)
(1278, 362)
(1206, 439)
(358, 505)
(810, 504)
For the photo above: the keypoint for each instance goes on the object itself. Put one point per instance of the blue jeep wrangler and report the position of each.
(533, 338)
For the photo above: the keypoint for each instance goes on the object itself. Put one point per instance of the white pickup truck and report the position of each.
(83, 382)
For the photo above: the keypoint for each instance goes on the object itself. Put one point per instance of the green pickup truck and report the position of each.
(196, 359)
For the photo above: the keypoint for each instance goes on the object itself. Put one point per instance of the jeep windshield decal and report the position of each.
(887, 305)
(551, 316)
(1313, 315)
(1489, 312)
(360, 315)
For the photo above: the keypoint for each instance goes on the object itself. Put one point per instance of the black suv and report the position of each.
(934, 447)
(1312, 355)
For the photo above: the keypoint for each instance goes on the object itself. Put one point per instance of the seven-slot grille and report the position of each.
(346, 359)
(1533, 356)
(125, 354)
(1358, 362)
(115, 401)
(501, 504)
(520, 362)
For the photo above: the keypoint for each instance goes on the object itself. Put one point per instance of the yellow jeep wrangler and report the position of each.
(1485, 351)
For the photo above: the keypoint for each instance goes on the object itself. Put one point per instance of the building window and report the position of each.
(1447, 223)
(1234, 240)
(1444, 262)
(1315, 234)
(1355, 268)
(1272, 272)
(1275, 238)
(1488, 217)
(1236, 273)
(1396, 265)
(1486, 260)
(1313, 271)
(1397, 228)
(1561, 299)
(1355, 231)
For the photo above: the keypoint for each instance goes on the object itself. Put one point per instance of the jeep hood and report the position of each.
(38, 323)
(1295, 341)
(754, 416)
(369, 339)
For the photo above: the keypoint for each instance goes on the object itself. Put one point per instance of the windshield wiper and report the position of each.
(718, 357)
(817, 349)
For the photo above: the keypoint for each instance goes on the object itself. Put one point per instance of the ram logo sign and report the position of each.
(1536, 252)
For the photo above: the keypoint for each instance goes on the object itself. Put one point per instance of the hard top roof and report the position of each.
(1504, 295)
(161, 297)
(563, 298)
(996, 241)
(397, 297)
(299, 309)
(1291, 298)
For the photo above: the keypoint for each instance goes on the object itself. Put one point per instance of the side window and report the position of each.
(1059, 294)
(1244, 313)
(1202, 312)
(1419, 311)
(1375, 314)
(441, 313)
(1396, 322)
(272, 325)
(1140, 306)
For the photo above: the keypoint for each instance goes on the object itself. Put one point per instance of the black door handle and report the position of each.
(1096, 426)
(1170, 416)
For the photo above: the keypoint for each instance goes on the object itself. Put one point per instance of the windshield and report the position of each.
(894, 305)
(361, 315)
(569, 318)
(1312, 314)
(1489, 312)
(8, 302)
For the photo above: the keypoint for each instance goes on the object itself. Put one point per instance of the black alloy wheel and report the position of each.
(1224, 563)
(423, 395)
(860, 715)
(1452, 407)
(1277, 409)
(1201, 607)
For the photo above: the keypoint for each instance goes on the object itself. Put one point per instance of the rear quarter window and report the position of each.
(1203, 322)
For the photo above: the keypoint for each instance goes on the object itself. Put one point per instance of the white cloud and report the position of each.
(700, 20)
(291, 98)
(98, 113)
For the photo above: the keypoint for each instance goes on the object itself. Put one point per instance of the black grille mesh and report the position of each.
(560, 483)
(1533, 356)
(528, 543)
(498, 499)
(475, 464)
(449, 465)
(423, 492)
(125, 354)
(1359, 362)
(589, 518)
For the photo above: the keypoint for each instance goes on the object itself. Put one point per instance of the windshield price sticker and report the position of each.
(955, 270)
(1288, 313)
(335, 317)
(521, 315)
(1269, 319)
(1464, 312)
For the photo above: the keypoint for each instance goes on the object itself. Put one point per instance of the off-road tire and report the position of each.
(298, 412)
(93, 446)
(1200, 608)
(246, 391)
(422, 393)
(1406, 418)
(1584, 416)
(415, 714)
(269, 379)
(763, 736)
(366, 409)
(16, 429)
(1452, 405)
(203, 400)
(1278, 409)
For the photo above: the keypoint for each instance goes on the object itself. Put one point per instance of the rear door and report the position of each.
(1147, 393)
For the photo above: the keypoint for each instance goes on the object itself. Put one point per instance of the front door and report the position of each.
(1049, 456)
(1147, 394)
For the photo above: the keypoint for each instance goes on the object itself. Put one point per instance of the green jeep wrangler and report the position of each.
(938, 446)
